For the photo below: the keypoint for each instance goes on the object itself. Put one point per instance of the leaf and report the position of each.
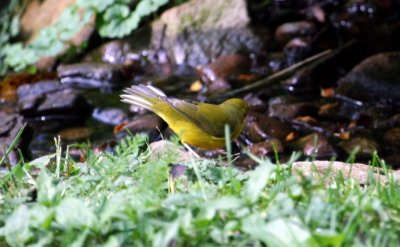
(99, 5)
(73, 213)
(328, 238)
(42, 161)
(113, 205)
(16, 229)
(279, 232)
(257, 181)
(47, 190)
(225, 203)
(14, 26)
(165, 236)
(290, 233)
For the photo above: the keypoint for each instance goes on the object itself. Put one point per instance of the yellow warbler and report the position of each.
(197, 124)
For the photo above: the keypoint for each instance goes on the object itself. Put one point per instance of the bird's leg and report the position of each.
(191, 150)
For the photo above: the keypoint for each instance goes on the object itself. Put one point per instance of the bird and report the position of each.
(195, 123)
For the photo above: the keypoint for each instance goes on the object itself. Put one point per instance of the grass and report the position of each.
(124, 198)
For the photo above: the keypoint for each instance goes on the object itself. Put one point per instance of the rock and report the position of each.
(65, 102)
(217, 74)
(388, 122)
(260, 127)
(51, 98)
(30, 96)
(39, 14)
(10, 84)
(393, 160)
(392, 137)
(89, 75)
(325, 72)
(315, 145)
(10, 124)
(367, 21)
(111, 116)
(375, 79)
(149, 123)
(289, 110)
(296, 50)
(287, 31)
(75, 133)
(114, 52)
(196, 33)
(267, 147)
(255, 103)
(366, 147)
(361, 173)
(118, 52)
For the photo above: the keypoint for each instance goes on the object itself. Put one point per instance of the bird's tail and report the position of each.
(142, 95)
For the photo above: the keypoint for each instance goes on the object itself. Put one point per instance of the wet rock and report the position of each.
(10, 124)
(392, 137)
(325, 72)
(315, 145)
(285, 108)
(105, 147)
(329, 110)
(296, 43)
(50, 100)
(42, 142)
(388, 122)
(260, 127)
(366, 147)
(196, 33)
(276, 62)
(88, 75)
(267, 147)
(375, 79)
(288, 31)
(119, 52)
(65, 102)
(296, 50)
(30, 96)
(149, 123)
(255, 103)
(76, 133)
(10, 84)
(370, 22)
(39, 14)
(114, 52)
(217, 75)
(393, 160)
(111, 116)
(339, 110)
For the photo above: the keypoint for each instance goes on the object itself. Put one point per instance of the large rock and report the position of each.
(374, 80)
(198, 31)
(92, 75)
(39, 14)
(51, 98)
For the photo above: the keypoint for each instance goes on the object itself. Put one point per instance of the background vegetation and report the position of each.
(113, 19)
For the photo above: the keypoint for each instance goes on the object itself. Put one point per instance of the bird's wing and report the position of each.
(206, 122)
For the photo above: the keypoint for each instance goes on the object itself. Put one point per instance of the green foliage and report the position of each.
(124, 199)
(118, 20)
(114, 18)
